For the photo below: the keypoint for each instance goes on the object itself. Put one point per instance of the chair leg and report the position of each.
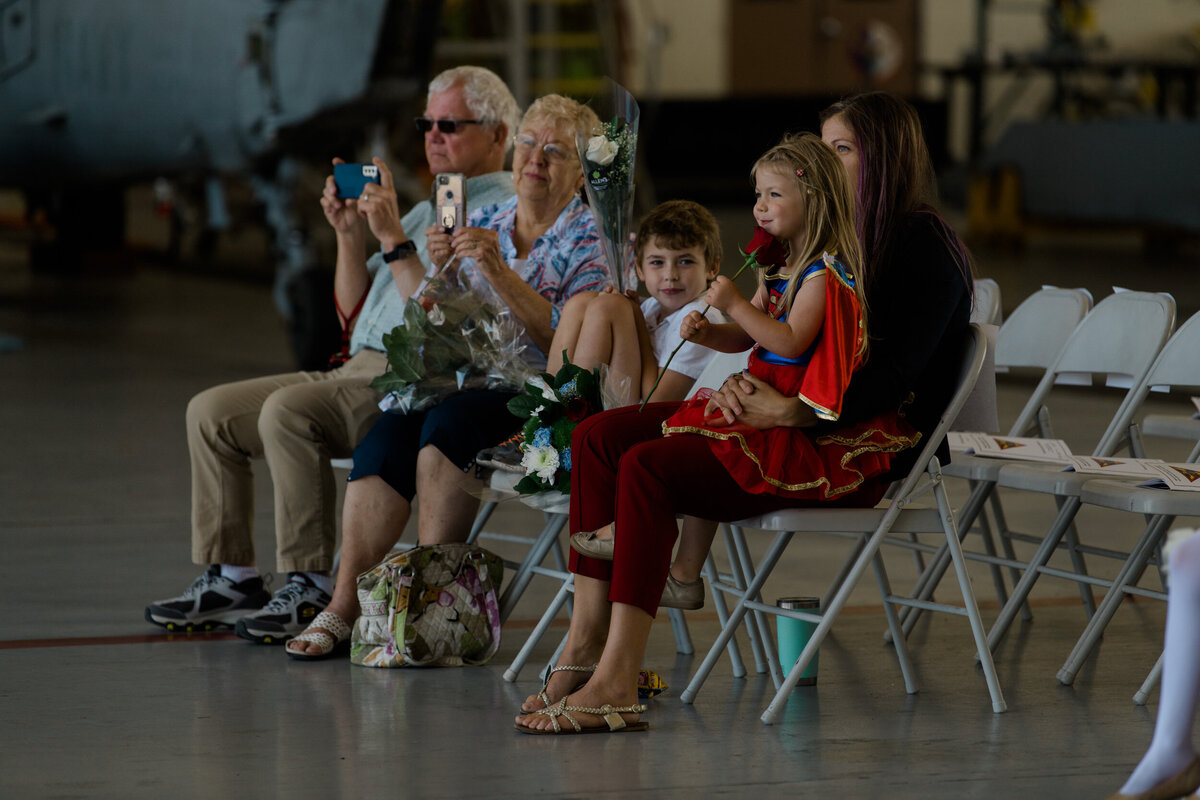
(928, 581)
(485, 513)
(757, 626)
(1020, 592)
(735, 654)
(893, 620)
(539, 630)
(554, 525)
(1143, 694)
(828, 615)
(683, 637)
(845, 570)
(1079, 565)
(918, 556)
(1130, 572)
(989, 546)
(740, 575)
(968, 596)
(1006, 542)
(735, 618)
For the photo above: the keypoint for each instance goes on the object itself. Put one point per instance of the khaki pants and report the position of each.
(297, 422)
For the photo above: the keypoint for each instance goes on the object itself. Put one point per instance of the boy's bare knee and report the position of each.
(611, 306)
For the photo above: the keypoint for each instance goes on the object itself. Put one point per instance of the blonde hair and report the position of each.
(829, 218)
(559, 110)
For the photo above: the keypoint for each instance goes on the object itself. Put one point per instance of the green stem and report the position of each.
(749, 261)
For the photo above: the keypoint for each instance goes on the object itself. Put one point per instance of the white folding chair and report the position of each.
(1177, 366)
(897, 514)
(1122, 335)
(986, 307)
(1030, 340)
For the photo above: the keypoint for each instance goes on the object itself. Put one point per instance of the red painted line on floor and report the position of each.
(89, 641)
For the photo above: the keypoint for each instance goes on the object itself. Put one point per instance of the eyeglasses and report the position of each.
(425, 125)
(525, 143)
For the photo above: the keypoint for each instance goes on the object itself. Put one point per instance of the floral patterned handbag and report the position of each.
(429, 606)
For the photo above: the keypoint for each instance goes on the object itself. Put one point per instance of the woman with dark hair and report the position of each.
(626, 473)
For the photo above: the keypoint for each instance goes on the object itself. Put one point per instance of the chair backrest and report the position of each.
(1179, 362)
(1177, 365)
(974, 352)
(1121, 335)
(986, 307)
(1035, 333)
(719, 368)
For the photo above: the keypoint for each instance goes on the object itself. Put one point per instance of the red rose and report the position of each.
(765, 249)
(577, 409)
(760, 238)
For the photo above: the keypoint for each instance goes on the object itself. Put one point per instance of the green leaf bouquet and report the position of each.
(450, 342)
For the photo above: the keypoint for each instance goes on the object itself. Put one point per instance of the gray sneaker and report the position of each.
(212, 601)
(505, 456)
(290, 611)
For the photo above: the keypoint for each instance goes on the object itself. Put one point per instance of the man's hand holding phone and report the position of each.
(341, 212)
(378, 206)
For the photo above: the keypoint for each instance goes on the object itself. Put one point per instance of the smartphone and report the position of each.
(351, 178)
(450, 200)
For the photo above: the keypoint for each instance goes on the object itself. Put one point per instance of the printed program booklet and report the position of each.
(1176, 477)
(1117, 467)
(1018, 448)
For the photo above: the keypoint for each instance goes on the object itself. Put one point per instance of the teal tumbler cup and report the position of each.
(793, 634)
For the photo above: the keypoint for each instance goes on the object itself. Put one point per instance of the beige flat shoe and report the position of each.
(688, 596)
(586, 544)
(1181, 784)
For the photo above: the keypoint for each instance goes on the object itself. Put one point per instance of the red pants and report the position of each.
(624, 471)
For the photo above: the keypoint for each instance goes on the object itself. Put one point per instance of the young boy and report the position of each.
(678, 251)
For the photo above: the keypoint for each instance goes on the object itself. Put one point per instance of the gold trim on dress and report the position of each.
(894, 445)
(821, 411)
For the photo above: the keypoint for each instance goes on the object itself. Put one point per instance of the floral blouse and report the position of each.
(565, 260)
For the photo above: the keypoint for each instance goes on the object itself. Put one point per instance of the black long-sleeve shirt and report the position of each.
(918, 310)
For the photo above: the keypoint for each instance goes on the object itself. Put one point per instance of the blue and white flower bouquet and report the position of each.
(552, 406)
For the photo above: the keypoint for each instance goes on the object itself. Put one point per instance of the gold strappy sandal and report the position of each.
(610, 714)
(541, 695)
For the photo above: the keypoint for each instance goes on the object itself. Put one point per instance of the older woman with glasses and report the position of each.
(531, 254)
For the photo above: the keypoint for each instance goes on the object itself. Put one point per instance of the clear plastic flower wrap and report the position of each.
(609, 156)
(451, 340)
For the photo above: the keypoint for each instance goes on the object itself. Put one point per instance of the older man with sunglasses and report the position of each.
(298, 421)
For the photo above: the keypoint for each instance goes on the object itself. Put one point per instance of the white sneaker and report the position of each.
(290, 611)
(212, 601)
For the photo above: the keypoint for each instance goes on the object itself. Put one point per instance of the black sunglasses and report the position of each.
(425, 125)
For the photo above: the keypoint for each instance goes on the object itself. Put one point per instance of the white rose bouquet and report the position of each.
(608, 157)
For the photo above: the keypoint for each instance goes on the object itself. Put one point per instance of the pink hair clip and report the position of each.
(800, 173)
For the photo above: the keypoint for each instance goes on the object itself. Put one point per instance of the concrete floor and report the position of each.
(94, 524)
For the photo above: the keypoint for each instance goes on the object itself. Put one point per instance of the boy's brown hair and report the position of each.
(680, 225)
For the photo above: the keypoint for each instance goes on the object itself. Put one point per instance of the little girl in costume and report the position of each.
(807, 325)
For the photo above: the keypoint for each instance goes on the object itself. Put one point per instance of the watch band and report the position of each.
(402, 250)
